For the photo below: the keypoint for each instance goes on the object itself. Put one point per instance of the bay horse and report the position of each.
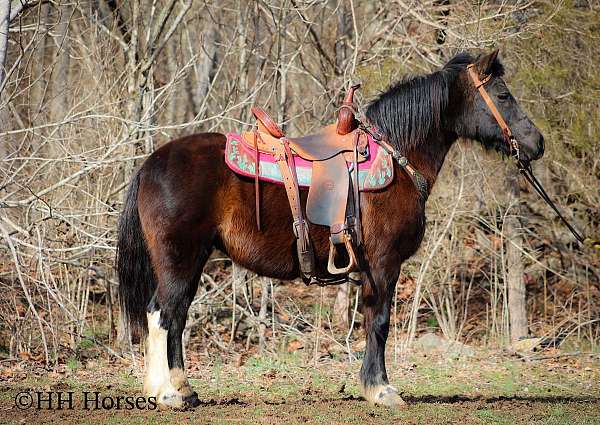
(184, 202)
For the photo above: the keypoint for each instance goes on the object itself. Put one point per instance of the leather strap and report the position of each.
(480, 85)
(287, 167)
(256, 179)
(417, 178)
(356, 193)
(295, 194)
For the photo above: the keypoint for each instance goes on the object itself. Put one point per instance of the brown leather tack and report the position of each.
(480, 85)
(330, 197)
(267, 122)
(256, 180)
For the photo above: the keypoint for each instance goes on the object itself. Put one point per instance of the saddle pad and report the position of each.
(374, 174)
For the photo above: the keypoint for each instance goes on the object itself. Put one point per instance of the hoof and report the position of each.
(192, 400)
(384, 395)
(171, 400)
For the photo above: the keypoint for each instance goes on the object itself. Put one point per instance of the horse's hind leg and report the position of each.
(178, 273)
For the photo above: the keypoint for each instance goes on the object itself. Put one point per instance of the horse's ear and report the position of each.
(486, 62)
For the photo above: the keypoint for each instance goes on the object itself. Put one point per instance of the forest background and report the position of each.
(88, 89)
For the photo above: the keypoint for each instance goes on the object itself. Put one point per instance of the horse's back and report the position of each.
(188, 196)
(191, 158)
(178, 184)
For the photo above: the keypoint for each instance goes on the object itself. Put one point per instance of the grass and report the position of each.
(488, 389)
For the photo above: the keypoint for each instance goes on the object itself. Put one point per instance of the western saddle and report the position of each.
(333, 196)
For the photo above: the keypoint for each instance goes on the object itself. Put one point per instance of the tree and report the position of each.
(4, 24)
(517, 305)
(341, 307)
(60, 75)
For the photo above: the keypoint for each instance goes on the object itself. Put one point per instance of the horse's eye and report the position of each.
(503, 96)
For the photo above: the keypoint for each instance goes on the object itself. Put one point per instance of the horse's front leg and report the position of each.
(377, 293)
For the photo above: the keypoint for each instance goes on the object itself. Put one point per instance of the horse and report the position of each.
(184, 202)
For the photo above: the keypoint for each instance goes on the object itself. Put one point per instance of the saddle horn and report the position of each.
(346, 121)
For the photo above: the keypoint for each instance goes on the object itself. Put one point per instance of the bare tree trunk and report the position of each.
(178, 101)
(205, 65)
(148, 113)
(344, 34)
(4, 24)
(242, 39)
(60, 77)
(124, 337)
(39, 87)
(341, 307)
(132, 59)
(517, 306)
(4, 113)
(262, 314)
(281, 76)
(444, 11)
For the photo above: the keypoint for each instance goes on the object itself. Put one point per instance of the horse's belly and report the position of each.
(268, 252)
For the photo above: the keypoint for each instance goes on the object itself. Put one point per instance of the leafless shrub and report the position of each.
(88, 90)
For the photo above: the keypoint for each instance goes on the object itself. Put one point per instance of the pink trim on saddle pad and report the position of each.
(375, 173)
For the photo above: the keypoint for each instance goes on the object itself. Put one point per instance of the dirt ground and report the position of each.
(490, 387)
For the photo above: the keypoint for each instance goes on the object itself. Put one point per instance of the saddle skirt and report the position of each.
(375, 173)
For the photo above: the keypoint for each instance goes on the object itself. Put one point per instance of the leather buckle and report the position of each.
(338, 228)
(514, 148)
(295, 227)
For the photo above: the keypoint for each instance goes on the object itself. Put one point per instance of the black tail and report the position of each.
(137, 281)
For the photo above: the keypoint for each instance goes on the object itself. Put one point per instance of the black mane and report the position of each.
(411, 110)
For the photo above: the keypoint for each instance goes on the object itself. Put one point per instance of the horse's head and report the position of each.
(478, 121)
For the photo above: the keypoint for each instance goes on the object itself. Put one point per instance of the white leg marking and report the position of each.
(157, 381)
(384, 395)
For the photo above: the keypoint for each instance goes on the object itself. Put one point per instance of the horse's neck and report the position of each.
(429, 157)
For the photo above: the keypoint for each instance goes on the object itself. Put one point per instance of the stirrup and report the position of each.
(331, 267)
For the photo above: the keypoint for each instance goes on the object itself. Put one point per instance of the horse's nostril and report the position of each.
(540, 147)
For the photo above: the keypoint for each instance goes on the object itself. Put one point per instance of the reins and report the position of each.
(526, 171)
(523, 166)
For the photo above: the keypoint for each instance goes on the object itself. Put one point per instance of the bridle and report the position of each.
(509, 139)
(513, 148)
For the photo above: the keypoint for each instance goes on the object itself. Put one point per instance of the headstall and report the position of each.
(523, 165)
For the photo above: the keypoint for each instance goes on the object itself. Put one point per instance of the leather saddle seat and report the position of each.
(329, 153)
(320, 146)
(375, 168)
